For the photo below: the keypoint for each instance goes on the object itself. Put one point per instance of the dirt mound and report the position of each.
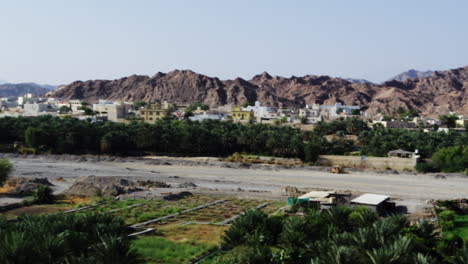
(187, 185)
(153, 184)
(176, 196)
(110, 186)
(25, 185)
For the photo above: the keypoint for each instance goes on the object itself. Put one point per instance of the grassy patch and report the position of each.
(209, 235)
(461, 226)
(158, 250)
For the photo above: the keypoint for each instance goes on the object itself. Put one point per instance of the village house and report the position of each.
(338, 109)
(399, 153)
(262, 112)
(238, 114)
(311, 114)
(461, 121)
(113, 111)
(207, 116)
(156, 111)
(8, 102)
(36, 109)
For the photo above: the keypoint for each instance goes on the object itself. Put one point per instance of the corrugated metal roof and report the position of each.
(371, 199)
(316, 194)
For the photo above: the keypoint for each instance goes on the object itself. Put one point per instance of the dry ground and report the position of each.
(411, 190)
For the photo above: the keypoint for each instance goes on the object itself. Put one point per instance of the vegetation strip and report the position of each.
(227, 221)
(128, 207)
(83, 208)
(176, 214)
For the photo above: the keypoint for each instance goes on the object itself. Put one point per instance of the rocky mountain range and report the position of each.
(440, 93)
(19, 89)
(411, 74)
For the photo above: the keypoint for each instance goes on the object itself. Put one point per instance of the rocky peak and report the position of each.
(264, 76)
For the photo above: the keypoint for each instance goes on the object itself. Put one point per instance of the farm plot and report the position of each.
(212, 214)
(146, 210)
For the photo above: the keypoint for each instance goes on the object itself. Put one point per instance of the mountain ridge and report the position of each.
(19, 89)
(440, 93)
(411, 74)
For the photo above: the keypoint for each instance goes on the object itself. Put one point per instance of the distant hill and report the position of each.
(19, 89)
(440, 93)
(359, 81)
(411, 74)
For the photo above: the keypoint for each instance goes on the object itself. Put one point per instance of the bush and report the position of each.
(451, 159)
(446, 220)
(425, 167)
(43, 195)
(5, 169)
(448, 215)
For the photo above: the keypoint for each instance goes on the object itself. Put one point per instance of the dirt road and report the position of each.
(413, 190)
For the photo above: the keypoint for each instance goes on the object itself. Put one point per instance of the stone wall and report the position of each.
(368, 163)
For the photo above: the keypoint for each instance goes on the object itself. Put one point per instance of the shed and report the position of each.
(376, 202)
(320, 197)
(316, 194)
(400, 153)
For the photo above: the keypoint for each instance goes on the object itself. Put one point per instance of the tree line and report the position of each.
(338, 235)
(217, 138)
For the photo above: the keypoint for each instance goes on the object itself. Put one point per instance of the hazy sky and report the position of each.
(60, 41)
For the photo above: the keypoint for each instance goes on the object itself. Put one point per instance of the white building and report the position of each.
(37, 109)
(336, 109)
(262, 112)
(8, 102)
(206, 117)
(75, 106)
(311, 113)
(112, 110)
(27, 98)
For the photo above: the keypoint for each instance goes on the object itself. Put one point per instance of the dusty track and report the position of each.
(413, 190)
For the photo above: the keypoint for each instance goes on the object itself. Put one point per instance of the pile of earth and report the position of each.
(187, 185)
(25, 185)
(110, 186)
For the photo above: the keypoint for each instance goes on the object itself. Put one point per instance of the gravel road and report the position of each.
(412, 190)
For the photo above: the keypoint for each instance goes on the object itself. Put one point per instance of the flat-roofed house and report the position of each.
(375, 202)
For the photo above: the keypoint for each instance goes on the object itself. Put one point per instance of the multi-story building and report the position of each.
(36, 109)
(238, 114)
(338, 108)
(311, 114)
(156, 111)
(8, 102)
(113, 111)
(262, 112)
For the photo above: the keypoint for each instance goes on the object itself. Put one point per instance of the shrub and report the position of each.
(448, 215)
(5, 169)
(425, 167)
(43, 195)
(446, 220)
(451, 159)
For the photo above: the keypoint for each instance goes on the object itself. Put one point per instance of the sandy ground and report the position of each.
(410, 190)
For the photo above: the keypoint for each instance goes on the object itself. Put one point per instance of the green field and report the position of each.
(163, 251)
(175, 240)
